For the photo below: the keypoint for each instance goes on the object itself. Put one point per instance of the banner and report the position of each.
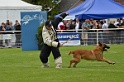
(30, 22)
(63, 37)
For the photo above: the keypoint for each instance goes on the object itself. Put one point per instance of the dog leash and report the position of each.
(70, 39)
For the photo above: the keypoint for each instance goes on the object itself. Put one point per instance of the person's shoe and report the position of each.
(58, 62)
(59, 66)
(45, 65)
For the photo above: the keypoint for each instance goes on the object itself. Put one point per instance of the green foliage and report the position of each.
(25, 66)
(52, 13)
(39, 35)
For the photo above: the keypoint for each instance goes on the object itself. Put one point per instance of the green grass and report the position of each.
(25, 66)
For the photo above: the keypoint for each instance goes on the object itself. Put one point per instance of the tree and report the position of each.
(52, 5)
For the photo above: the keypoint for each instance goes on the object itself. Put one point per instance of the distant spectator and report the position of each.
(105, 26)
(85, 27)
(105, 32)
(112, 33)
(68, 25)
(119, 25)
(78, 25)
(2, 28)
(17, 27)
(122, 24)
(111, 25)
(71, 25)
(94, 24)
(65, 23)
(9, 27)
(99, 25)
(61, 26)
(7, 22)
(115, 23)
(93, 34)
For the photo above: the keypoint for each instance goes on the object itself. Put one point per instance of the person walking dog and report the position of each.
(51, 42)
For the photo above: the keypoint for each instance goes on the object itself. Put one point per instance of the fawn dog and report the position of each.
(95, 54)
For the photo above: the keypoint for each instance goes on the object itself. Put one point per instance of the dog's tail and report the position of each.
(71, 52)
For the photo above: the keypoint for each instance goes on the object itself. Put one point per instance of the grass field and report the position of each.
(24, 66)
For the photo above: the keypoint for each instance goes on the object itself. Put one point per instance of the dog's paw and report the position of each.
(74, 66)
(113, 63)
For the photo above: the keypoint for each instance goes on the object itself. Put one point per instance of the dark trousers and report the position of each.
(1, 43)
(18, 38)
(45, 52)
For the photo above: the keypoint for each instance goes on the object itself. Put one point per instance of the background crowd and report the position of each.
(76, 25)
(87, 25)
(92, 24)
(6, 28)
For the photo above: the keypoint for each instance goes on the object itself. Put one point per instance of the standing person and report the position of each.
(105, 32)
(7, 22)
(51, 42)
(61, 26)
(9, 27)
(17, 27)
(85, 27)
(112, 33)
(2, 28)
(78, 25)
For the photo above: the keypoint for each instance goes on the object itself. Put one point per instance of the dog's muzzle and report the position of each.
(105, 48)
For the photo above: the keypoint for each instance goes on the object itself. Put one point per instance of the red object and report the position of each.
(62, 27)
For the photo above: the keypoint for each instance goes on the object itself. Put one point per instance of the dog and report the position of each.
(95, 54)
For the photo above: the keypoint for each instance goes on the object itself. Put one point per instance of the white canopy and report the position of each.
(17, 5)
(10, 9)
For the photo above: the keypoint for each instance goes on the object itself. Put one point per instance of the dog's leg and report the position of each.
(71, 61)
(105, 60)
(75, 61)
(75, 64)
(101, 58)
(108, 61)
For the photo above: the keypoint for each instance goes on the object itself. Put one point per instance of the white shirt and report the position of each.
(116, 23)
(105, 26)
(61, 23)
(77, 26)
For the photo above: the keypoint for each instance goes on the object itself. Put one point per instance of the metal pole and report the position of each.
(97, 37)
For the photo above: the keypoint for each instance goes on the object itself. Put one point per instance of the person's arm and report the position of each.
(47, 39)
(83, 26)
(56, 21)
(3, 28)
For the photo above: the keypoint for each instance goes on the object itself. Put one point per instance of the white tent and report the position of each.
(10, 9)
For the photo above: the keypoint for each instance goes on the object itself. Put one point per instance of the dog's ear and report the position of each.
(100, 44)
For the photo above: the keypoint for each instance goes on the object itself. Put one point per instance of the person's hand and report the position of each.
(60, 45)
(67, 13)
(88, 28)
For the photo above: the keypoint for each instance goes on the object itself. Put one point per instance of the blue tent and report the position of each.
(98, 9)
